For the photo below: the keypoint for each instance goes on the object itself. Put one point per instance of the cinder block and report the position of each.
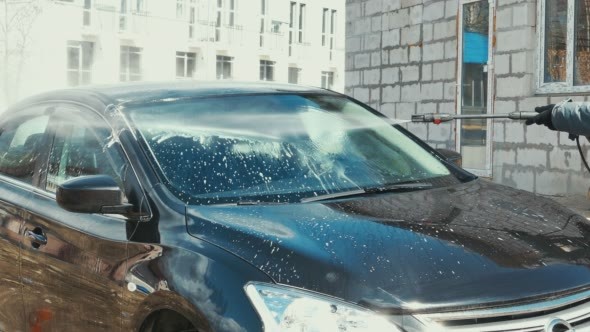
(450, 91)
(504, 106)
(390, 5)
(416, 14)
(362, 60)
(524, 179)
(502, 63)
(390, 75)
(398, 56)
(498, 133)
(443, 70)
(376, 59)
(376, 96)
(427, 107)
(410, 3)
(415, 54)
(388, 109)
(426, 72)
(513, 86)
(372, 76)
(451, 8)
(438, 133)
(427, 32)
(518, 39)
(532, 157)
(524, 14)
(433, 52)
(451, 49)
(578, 183)
(504, 18)
(445, 29)
(432, 91)
(411, 35)
(391, 38)
(504, 157)
(411, 92)
(565, 159)
(410, 73)
(405, 110)
(514, 132)
(353, 44)
(390, 93)
(540, 135)
(352, 78)
(377, 23)
(373, 7)
(551, 183)
(434, 11)
(399, 19)
(372, 41)
(362, 94)
(522, 62)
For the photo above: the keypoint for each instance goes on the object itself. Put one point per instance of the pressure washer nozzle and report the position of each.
(432, 117)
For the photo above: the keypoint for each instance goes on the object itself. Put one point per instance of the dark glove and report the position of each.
(544, 116)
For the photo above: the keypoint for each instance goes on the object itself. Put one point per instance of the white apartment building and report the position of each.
(49, 44)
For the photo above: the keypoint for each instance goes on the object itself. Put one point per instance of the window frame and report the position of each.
(186, 56)
(557, 87)
(225, 60)
(78, 45)
(23, 115)
(265, 69)
(127, 70)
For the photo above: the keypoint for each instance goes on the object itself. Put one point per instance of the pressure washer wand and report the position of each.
(438, 118)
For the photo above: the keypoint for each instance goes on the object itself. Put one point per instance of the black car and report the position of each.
(250, 207)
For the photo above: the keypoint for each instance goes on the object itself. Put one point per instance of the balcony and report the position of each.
(208, 32)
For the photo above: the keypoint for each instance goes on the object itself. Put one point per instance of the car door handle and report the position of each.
(39, 239)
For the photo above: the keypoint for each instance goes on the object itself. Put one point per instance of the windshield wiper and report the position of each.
(401, 187)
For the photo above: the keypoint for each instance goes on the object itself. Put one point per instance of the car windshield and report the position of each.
(278, 148)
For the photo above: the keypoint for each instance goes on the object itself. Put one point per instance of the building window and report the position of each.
(301, 22)
(263, 6)
(185, 64)
(218, 20)
(86, 16)
(80, 58)
(325, 14)
(267, 70)
(564, 59)
(294, 74)
(192, 20)
(292, 11)
(180, 9)
(232, 13)
(130, 64)
(224, 67)
(123, 16)
(328, 80)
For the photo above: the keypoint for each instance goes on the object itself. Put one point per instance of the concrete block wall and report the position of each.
(528, 157)
(401, 58)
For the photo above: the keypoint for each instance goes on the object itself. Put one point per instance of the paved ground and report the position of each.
(578, 203)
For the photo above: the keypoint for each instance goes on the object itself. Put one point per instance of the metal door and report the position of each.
(475, 77)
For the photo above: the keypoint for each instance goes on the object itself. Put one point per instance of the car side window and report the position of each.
(21, 146)
(81, 147)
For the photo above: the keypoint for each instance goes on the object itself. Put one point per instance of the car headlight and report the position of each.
(289, 309)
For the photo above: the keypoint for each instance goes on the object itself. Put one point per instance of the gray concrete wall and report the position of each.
(401, 58)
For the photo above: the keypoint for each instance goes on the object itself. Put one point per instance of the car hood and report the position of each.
(472, 245)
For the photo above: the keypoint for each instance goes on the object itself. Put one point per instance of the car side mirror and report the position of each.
(451, 156)
(92, 194)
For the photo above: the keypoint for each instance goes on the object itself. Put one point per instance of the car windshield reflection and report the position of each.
(278, 148)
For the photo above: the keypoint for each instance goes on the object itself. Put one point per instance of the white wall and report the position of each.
(161, 34)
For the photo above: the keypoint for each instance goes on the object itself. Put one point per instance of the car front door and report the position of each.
(70, 261)
(21, 137)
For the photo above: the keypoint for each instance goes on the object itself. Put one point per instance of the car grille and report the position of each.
(529, 317)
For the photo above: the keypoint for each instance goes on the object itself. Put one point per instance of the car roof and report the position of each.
(146, 92)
